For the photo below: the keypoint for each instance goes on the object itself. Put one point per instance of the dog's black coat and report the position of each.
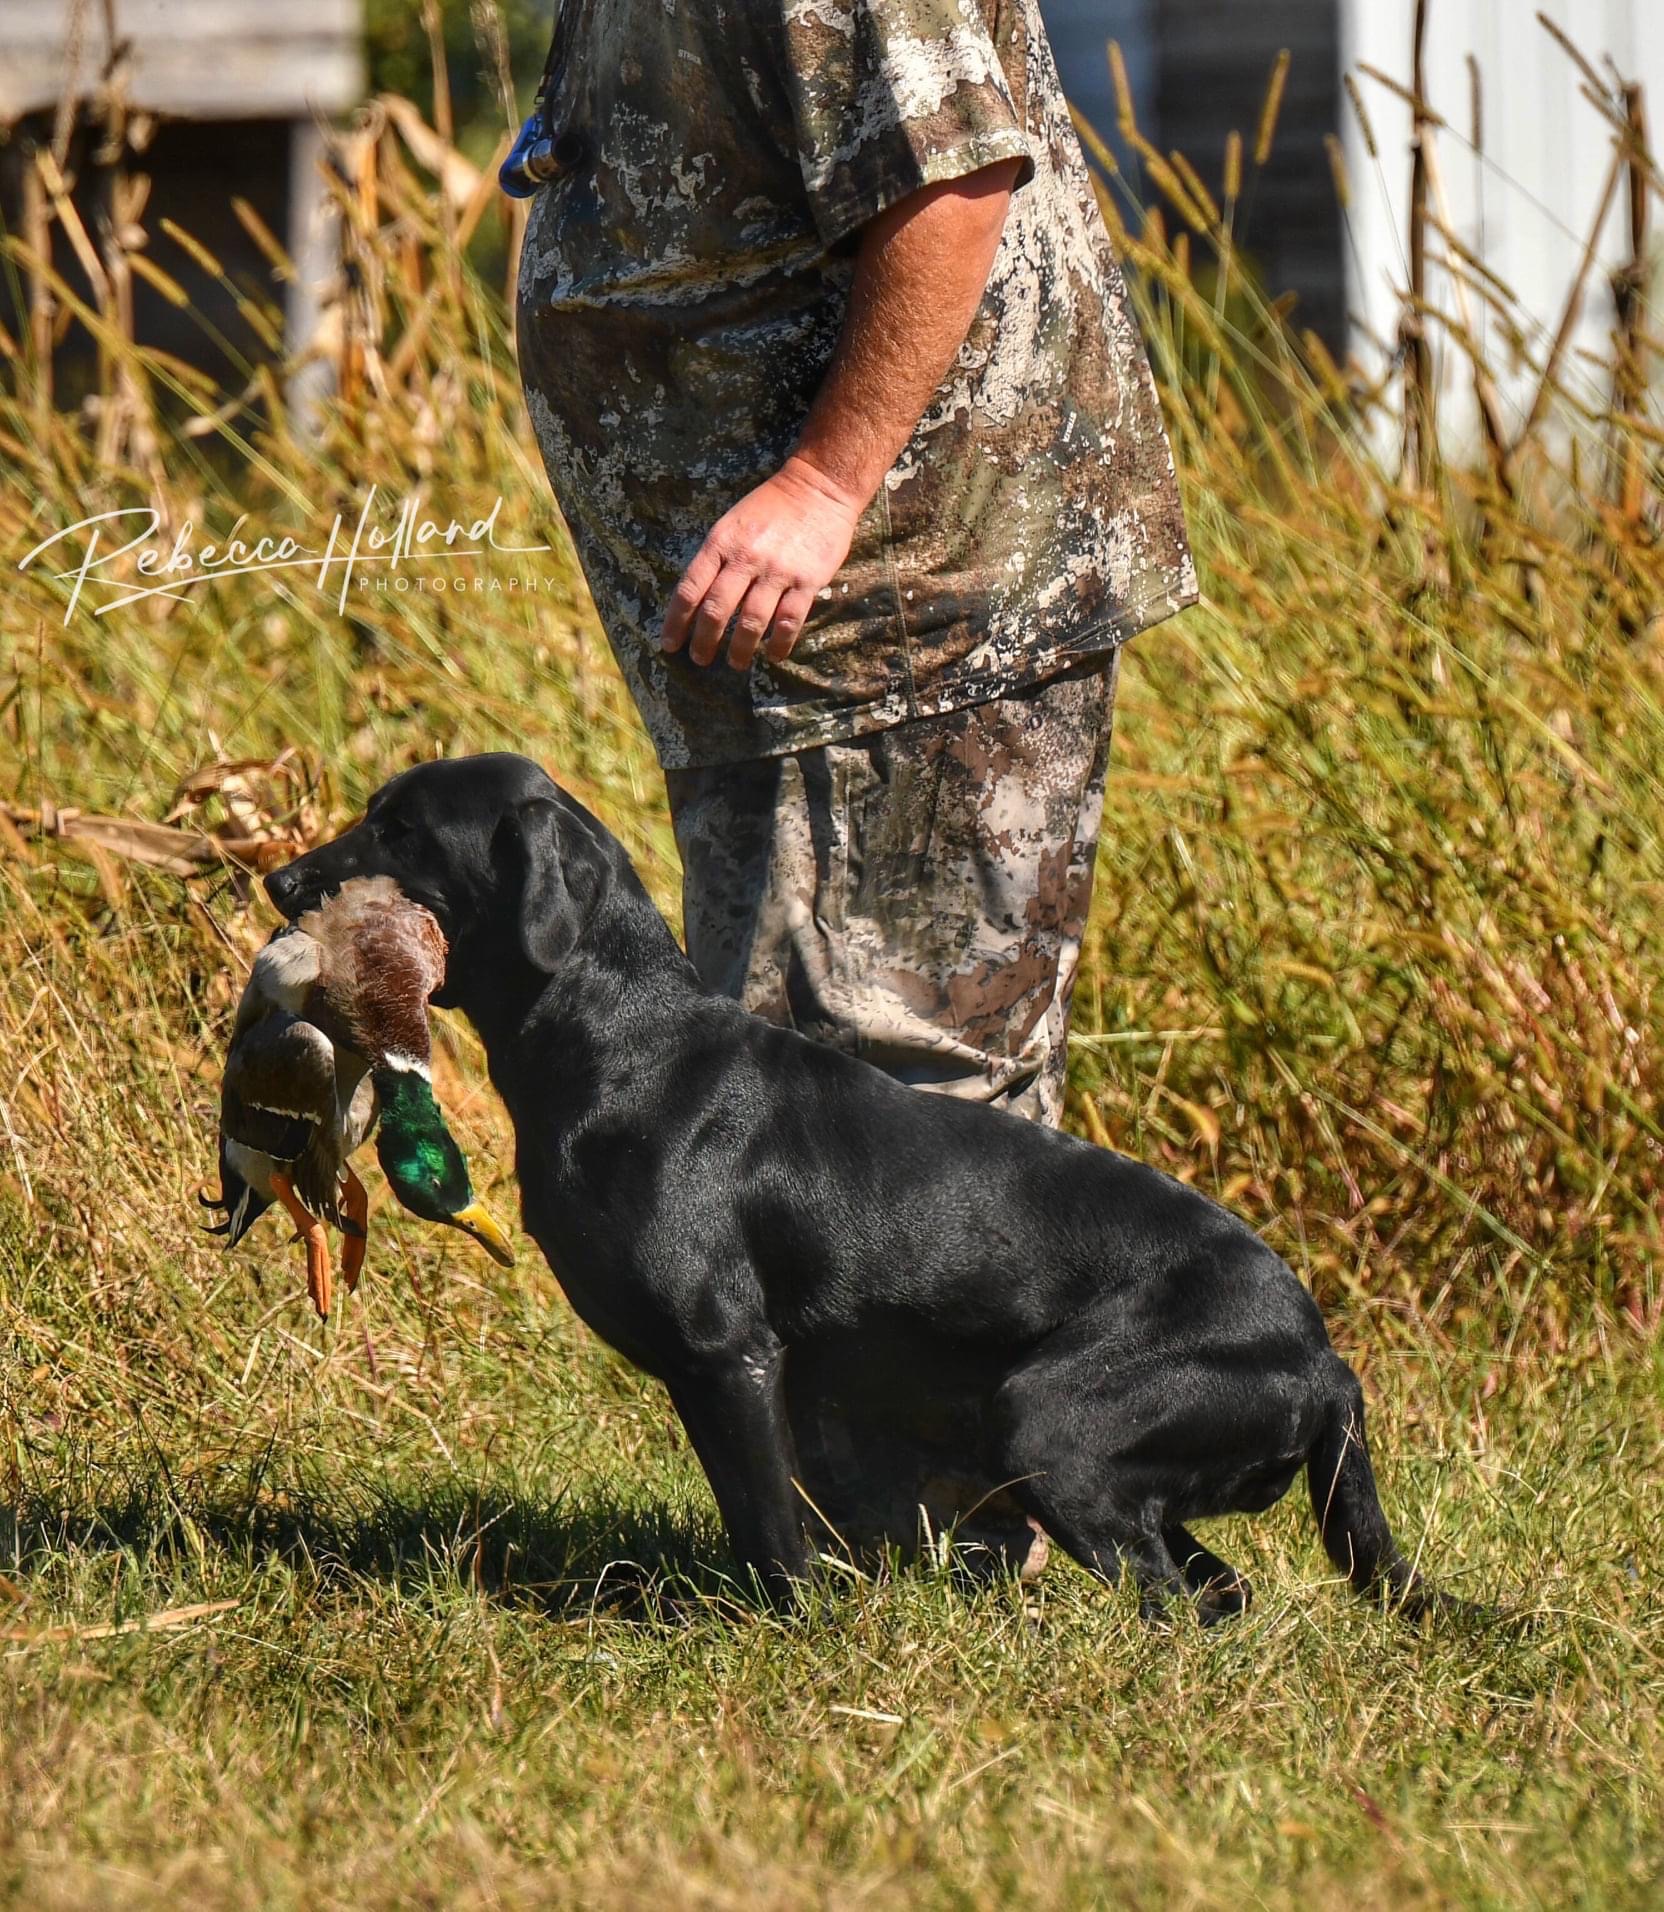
(720, 1198)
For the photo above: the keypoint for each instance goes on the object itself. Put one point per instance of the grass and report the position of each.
(1375, 958)
(442, 1683)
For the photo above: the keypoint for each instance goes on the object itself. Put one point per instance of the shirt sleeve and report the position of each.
(891, 95)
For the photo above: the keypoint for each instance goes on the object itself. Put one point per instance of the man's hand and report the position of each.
(920, 270)
(767, 559)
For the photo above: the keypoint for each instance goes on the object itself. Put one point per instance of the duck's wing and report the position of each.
(279, 1087)
(321, 1172)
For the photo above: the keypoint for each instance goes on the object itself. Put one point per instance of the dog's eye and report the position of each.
(394, 829)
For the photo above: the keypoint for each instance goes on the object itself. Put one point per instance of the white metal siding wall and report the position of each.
(1528, 207)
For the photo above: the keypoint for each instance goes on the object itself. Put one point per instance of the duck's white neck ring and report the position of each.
(406, 1065)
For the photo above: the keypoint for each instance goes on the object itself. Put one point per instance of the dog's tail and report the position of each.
(1348, 1508)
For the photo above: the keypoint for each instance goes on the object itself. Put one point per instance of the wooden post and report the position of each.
(43, 310)
(313, 244)
(107, 179)
(1420, 450)
(1629, 376)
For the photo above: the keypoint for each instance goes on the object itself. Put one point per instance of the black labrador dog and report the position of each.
(745, 1213)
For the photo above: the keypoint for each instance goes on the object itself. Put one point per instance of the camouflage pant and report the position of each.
(916, 896)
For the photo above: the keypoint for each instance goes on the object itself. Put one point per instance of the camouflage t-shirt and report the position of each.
(681, 291)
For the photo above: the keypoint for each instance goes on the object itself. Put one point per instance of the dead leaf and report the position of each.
(459, 178)
(1372, 1812)
(1202, 1120)
(179, 852)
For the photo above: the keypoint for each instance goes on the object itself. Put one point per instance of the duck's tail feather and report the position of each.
(219, 1203)
(237, 1201)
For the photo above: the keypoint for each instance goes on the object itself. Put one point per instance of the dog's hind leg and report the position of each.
(1109, 1542)
(1221, 1592)
(1092, 1501)
(1097, 1455)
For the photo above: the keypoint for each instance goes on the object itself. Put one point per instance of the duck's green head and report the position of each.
(419, 1156)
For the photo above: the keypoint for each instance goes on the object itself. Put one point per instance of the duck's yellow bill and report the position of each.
(476, 1221)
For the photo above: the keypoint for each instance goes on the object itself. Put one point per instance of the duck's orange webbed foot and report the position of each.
(355, 1205)
(317, 1244)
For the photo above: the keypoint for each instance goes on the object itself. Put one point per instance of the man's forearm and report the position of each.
(920, 273)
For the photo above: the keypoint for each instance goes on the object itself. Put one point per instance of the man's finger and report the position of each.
(790, 616)
(722, 600)
(756, 608)
(689, 594)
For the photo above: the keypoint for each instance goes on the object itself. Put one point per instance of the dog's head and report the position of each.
(510, 866)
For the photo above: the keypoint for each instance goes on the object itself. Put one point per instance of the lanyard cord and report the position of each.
(538, 155)
(553, 68)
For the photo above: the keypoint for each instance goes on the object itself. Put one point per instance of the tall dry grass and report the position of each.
(1376, 946)
(1392, 792)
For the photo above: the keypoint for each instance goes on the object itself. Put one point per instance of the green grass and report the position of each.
(1375, 958)
(444, 1681)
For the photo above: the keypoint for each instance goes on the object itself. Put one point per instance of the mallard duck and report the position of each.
(331, 1032)
(294, 1106)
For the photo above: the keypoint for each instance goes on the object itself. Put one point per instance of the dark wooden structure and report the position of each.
(208, 100)
(1198, 69)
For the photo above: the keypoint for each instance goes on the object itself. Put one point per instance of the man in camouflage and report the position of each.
(834, 375)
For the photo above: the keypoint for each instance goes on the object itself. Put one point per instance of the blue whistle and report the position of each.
(531, 160)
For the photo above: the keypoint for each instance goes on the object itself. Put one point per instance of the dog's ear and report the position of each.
(561, 879)
(533, 829)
